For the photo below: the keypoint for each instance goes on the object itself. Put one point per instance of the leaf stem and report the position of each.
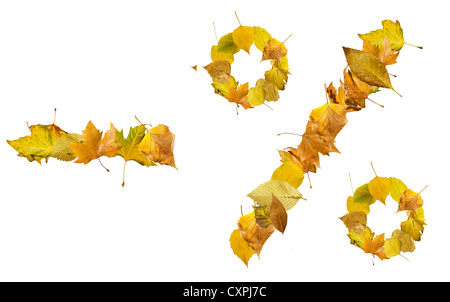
(286, 38)
(396, 92)
(423, 189)
(237, 18)
(28, 126)
(289, 133)
(420, 47)
(351, 184)
(373, 169)
(215, 32)
(268, 106)
(404, 257)
(123, 178)
(54, 118)
(382, 106)
(102, 164)
(309, 179)
(138, 120)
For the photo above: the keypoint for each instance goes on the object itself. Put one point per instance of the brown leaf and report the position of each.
(410, 200)
(219, 71)
(375, 246)
(278, 214)
(355, 221)
(251, 232)
(157, 145)
(274, 50)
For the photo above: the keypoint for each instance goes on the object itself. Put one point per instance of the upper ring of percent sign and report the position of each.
(222, 55)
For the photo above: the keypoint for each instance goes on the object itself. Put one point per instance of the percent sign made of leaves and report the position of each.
(402, 239)
(147, 147)
(364, 75)
(222, 56)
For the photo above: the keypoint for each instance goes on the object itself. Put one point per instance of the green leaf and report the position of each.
(289, 172)
(284, 191)
(397, 187)
(130, 146)
(362, 195)
(226, 45)
(61, 148)
(261, 37)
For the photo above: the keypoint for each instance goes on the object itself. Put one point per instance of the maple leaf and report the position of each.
(240, 247)
(375, 246)
(243, 37)
(384, 52)
(252, 233)
(274, 49)
(157, 145)
(355, 92)
(38, 145)
(93, 146)
(239, 95)
(219, 71)
(129, 147)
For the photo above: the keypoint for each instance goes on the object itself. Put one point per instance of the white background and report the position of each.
(107, 61)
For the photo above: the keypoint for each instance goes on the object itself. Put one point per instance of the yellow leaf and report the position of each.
(256, 96)
(240, 247)
(261, 37)
(289, 172)
(243, 37)
(392, 247)
(353, 206)
(93, 146)
(252, 233)
(379, 188)
(216, 55)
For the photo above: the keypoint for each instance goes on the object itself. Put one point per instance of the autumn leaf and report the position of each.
(394, 33)
(239, 96)
(397, 187)
(358, 239)
(410, 200)
(352, 206)
(290, 173)
(277, 76)
(384, 52)
(262, 216)
(256, 96)
(240, 247)
(129, 147)
(392, 247)
(355, 92)
(274, 50)
(61, 148)
(270, 90)
(219, 71)
(157, 145)
(40, 144)
(375, 246)
(362, 195)
(261, 36)
(252, 233)
(278, 214)
(330, 119)
(407, 242)
(223, 88)
(413, 227)
(355, 221)
(379, 188)
(216, 55)
(243, 37)
(227, 46)
(284, 191)
(368, 68)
